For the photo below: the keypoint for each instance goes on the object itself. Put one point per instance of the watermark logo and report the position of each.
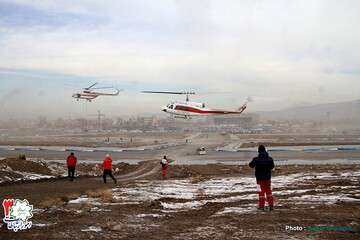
(290, 228)
(17, 214)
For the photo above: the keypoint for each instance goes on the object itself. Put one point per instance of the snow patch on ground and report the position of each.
(81, 199)
(237, 210)
(232, 189)
(96, 209)
(32, 176)
(148, 215)
(84, 199)
(323, 198)
(184, 205)
(92, 229)
(42, 224)
(184, 195)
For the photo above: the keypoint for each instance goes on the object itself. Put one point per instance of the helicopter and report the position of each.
(89, 95)
(188, 109)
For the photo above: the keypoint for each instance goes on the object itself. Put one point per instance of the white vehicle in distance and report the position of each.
(201, 151)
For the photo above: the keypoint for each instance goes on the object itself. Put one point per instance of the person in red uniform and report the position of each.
(165, 165)
(71, 164)
(263, 165)
(107, 167)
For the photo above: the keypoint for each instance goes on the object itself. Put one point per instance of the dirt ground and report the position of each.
(194, 202)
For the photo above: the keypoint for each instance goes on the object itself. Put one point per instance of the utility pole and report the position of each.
(99, 117)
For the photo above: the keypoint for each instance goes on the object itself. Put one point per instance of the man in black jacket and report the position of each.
(263, 165)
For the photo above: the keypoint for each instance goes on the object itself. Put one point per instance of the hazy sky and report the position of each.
(282, 53)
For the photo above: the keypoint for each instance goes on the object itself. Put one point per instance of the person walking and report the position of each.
(107, 167)
(263, 165)
(71, 164)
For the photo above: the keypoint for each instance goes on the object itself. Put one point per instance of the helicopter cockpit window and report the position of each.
(171, 106)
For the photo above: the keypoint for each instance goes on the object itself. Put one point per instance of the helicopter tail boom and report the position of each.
(242, 108)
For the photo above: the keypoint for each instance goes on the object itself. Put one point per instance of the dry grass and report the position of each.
(198, 178)
(94, 193)
(52, 202)
(105, 195)
(86, 206)
(59, 201)
(72, 196)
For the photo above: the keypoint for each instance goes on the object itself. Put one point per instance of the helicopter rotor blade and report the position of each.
(88, 88)
(103, 88)
(212, 93)
(169, 92)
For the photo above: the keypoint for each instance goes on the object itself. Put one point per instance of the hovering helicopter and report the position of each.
(187, 109)
(88, 93)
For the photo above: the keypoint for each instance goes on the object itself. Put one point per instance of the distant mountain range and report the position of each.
(341, 111)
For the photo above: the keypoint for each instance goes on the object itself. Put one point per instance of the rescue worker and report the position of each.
(107, 167)
(263, 165)
(164, 166)
(71, 164)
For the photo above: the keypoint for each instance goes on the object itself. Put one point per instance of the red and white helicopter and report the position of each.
(88, 93)
(188, 109)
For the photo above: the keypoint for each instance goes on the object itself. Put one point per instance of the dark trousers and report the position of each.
(108, 172)
(71, 173)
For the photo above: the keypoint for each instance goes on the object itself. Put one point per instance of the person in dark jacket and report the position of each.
(71, 164)
(107, 167)
(263, 165)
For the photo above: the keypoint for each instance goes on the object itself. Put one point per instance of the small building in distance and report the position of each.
(244, 121)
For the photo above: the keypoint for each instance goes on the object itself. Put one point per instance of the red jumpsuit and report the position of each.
(71, 164)
(164, 168)
(107, 163)
(107, 167)
(265, 187)
(71, 161)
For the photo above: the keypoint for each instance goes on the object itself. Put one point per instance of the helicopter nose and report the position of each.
(164, 109)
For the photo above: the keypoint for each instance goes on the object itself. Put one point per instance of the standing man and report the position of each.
(71, 164)
(263, 165)
(107, 167)
(164, 166)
